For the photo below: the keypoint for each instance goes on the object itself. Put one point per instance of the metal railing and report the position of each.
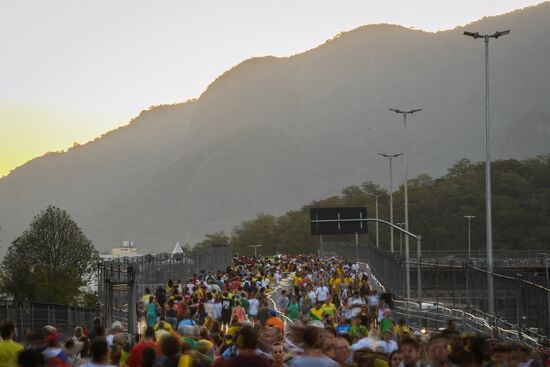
(457, 291)
(122, 280)
(34, 316)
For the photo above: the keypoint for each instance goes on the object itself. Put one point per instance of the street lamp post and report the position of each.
(400, 239)
(391, 157)
(376, 206)
(469, 217)
(547, 286)
(255, 249)
(407, 264)
(489, 229)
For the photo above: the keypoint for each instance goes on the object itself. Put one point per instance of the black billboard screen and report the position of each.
(342, 220)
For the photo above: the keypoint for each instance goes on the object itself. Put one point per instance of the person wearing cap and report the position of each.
(116, 328)
(276, 322)
(9, 348)
(72, 348)
(53, 355)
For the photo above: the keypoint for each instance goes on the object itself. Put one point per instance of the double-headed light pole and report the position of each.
(390, 157)
(255, 249)
(407, 265)
(489, 229)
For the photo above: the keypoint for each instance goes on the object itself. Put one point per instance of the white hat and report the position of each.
(364, 343)
(117, 325)
(316, 323)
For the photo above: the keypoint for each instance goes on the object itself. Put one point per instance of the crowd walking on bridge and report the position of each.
(302, 311)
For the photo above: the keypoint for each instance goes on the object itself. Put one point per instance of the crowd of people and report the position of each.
(300, 311)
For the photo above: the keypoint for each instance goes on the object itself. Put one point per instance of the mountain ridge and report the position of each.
(272, 133)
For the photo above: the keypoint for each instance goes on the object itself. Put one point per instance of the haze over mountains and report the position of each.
(274, 133)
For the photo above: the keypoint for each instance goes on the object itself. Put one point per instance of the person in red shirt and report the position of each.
(134, 360)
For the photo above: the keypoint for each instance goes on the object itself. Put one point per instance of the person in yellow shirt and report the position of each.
(296, 281)
(348, 280)
(328, 309)
(9, 349)
(166, 325)
(146, 296)
(402, 330)
(316, 313)
(335, 283)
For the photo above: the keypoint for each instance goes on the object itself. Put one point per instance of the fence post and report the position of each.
(419, 271)
(132, 300)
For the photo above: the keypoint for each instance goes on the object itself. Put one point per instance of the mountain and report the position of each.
(273, 133)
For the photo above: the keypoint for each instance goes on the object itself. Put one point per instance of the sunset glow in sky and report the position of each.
(71, 71)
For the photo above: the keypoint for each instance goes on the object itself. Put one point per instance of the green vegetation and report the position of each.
(49, 262)
(521, 211)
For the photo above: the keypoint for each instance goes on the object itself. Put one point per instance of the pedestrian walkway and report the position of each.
(281, 311)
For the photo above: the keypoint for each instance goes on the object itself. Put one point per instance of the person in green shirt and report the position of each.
(386, 322)
(293, 309)
(357, 330)
(9, 349)
(244, 302)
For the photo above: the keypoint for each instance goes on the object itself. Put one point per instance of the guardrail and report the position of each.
(34, 316)
(386, 273)
(436, 317)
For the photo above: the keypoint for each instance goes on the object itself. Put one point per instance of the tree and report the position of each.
(260, 230)
(218, 238)
(49, 262)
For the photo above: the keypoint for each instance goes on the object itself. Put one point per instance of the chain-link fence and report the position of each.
(34, 316)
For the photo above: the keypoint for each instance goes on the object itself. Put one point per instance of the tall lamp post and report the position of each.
(391, 157)
(255, 249)
(489, 229)
(376, 200)
(400, 238)
(469, 217)
(407, 264)
(547, 286)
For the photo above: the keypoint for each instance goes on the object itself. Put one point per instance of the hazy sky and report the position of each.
(71, 70)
